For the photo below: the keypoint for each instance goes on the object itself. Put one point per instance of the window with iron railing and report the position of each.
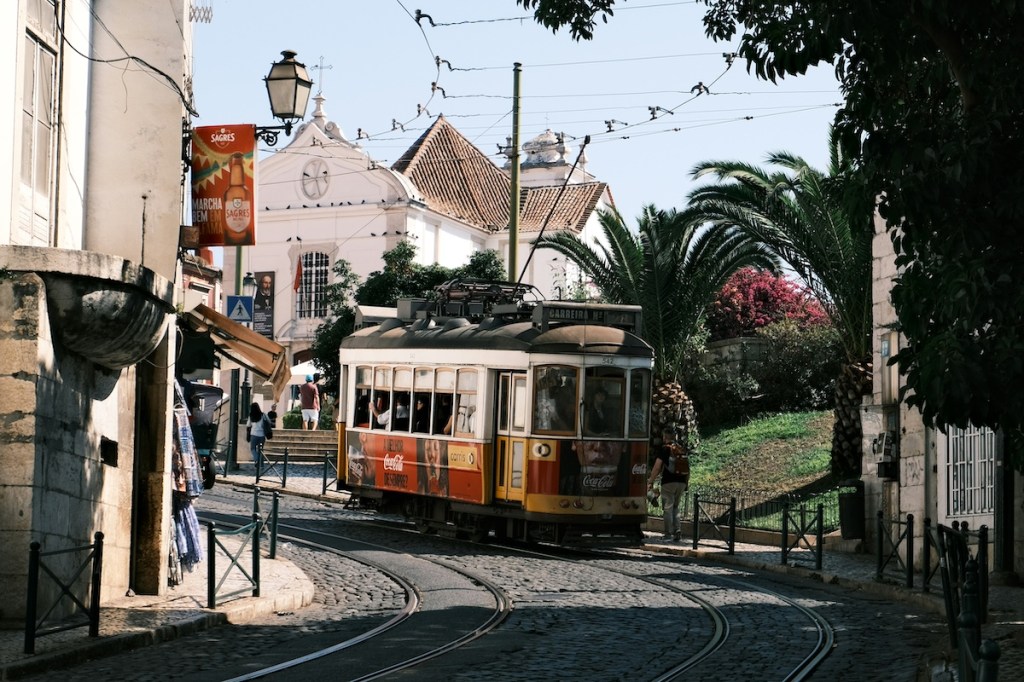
(970, 470)
(311, 296)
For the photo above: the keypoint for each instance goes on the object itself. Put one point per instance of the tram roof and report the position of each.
(494, 334)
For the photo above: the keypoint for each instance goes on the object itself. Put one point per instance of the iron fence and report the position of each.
(761, 509)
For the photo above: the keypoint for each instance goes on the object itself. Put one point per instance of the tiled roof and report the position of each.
(456, 178)
(575, 205)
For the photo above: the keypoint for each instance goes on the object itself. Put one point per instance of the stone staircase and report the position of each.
(303, 446)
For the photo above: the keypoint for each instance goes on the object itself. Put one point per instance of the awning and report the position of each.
(242, 345)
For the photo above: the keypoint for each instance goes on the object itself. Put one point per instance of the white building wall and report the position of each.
(135, 143)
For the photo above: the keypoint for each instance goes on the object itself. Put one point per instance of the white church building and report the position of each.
(321, 198)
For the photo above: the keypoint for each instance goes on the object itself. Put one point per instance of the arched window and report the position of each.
(311, 296)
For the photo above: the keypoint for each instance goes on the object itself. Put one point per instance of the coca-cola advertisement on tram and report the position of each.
(428, 466)
(600, 468)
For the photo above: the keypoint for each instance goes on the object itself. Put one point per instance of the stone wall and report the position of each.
(67, 443)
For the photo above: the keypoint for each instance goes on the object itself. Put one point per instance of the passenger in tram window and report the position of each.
(599, 414)
(401, 412)
(466, 422)
(363, 408)
(421, 415)
(432, 476)
(443, 414)
(381, 412)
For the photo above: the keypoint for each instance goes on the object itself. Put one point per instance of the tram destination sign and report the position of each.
(561, 312)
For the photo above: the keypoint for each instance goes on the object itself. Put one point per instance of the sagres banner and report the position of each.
(224, 184)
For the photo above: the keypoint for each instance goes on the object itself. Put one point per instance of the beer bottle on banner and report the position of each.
(237, 205)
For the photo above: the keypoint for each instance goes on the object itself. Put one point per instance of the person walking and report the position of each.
(673, 465)
(309, 400)
(256, 432)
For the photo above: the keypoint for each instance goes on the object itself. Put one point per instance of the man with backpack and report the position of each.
(672, 463)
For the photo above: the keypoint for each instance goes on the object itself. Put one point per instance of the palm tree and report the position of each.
(672, 268)
(807, 218)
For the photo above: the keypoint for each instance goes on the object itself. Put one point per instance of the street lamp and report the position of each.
(249, 286)
(288, 87)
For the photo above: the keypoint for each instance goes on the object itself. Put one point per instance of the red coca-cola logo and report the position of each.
(604, 482)
(393, 463)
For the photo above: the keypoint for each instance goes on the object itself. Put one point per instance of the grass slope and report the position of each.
(775, 453)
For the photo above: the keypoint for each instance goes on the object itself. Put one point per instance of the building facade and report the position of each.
(90, 199)
(321, 198)
(956, 475)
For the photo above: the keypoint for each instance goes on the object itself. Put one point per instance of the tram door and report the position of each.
(510, 437)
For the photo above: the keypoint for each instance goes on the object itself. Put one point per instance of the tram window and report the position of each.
(423, 398)
(382, 378)
(381, 409)
(603, 403)
(639, 402)
(519, 402)
(401, 412)
(380, 404)
(362, 416)
(516, 479)
(554, 402)
(465, 421)
(362, 401)
(443, 413)
(421, 412)
(502, 454)
(503, 391)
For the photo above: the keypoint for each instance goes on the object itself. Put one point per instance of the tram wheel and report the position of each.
(423, 526)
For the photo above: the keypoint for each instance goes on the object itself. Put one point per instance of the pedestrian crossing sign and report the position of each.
(240, 308)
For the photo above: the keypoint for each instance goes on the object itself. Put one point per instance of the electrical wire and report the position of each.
(128, 58)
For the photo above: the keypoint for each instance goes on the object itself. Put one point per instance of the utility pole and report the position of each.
(513, 211)
(235, 408)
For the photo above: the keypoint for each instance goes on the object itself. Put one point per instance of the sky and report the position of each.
(383, 72)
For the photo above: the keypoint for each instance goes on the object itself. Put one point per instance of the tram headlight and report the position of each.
(541, 449)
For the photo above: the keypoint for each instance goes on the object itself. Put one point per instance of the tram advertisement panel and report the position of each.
(426, 466)
(600, 468)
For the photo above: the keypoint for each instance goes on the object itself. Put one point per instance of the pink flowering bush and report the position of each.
(753, 299)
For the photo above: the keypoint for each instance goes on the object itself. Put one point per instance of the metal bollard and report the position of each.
(211, 565)
(879, 547)
(256, 555)
(97, 581)
(910, 550)
(696, 520)
(273, 524)
(819, 545)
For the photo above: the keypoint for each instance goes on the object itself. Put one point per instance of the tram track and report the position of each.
(397, 629)
(824, 641)
(717, 645)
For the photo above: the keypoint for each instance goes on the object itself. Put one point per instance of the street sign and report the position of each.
(240, 308)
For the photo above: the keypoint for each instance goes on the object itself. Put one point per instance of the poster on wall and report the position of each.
(224, 184)
(263, 305)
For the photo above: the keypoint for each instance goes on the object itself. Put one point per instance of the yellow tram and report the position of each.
(485, 411)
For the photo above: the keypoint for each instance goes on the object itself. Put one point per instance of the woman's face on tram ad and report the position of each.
(598, 466)
(598, 453)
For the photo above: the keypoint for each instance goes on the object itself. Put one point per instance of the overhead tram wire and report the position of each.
(529, 18)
